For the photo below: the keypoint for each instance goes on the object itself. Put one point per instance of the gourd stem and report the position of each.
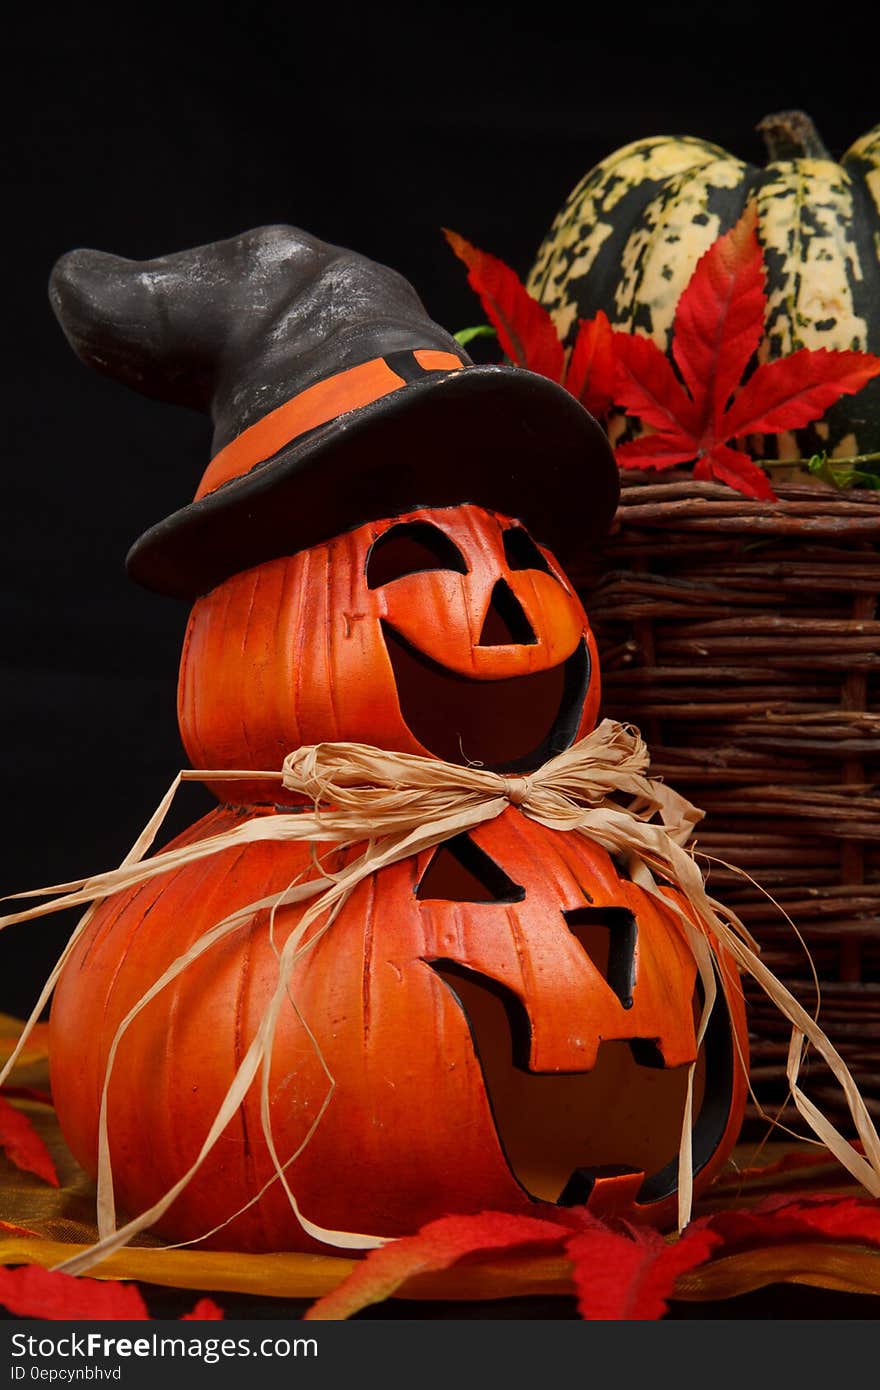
(792, 135)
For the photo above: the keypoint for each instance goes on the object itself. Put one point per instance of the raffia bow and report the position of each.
(396, 805)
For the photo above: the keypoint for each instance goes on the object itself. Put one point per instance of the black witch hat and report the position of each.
(335, 401)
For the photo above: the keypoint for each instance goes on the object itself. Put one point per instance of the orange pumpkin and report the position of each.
(507, 1020)
(444, 631)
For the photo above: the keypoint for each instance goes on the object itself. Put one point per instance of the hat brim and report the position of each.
(500, 437)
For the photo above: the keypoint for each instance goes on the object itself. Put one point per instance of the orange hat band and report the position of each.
(318, 405)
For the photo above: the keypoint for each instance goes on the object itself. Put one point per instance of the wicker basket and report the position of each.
(741, 638)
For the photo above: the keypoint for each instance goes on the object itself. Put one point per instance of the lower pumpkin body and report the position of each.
(507, 1022)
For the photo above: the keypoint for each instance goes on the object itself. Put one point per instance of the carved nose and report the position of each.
(505, 623)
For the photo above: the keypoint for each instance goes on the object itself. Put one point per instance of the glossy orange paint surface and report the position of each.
(428, 1115)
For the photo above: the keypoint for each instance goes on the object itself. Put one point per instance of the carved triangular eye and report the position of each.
(506, 623)
(461, 872)
(608, 935)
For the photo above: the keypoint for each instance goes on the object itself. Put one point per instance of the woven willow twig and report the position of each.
(743, 639)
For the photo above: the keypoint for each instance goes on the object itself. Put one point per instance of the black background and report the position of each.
(372, 127)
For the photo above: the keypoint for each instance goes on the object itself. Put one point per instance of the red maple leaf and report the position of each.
(525, 329)
(528, 335)
(22, 1145)
(779, 1218)
(591, 374)
(627, 1274)
(33, 1292)
(719, 322)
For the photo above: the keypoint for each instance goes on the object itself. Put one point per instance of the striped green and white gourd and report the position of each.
(631, 232)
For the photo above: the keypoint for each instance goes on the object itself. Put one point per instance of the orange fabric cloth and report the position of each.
(61, 1219)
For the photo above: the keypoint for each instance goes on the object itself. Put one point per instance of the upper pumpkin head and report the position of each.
(350, 582)
(445, 632)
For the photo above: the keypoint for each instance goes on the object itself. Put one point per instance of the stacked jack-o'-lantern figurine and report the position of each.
(508, 1020)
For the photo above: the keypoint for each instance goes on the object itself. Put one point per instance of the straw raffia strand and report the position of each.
(397, 805)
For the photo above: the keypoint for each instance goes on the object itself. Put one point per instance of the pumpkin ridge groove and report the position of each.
(246, 721)
(328, 647)
(238, 1046)
(366, 973)
(299, 686)
(571, 865)
(286, 621)
(106, 926)
(174, 1073)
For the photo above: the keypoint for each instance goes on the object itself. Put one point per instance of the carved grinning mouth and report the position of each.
(564, 1134)
(510, 725)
